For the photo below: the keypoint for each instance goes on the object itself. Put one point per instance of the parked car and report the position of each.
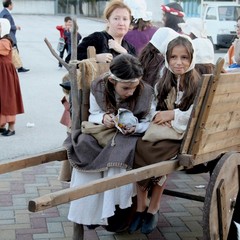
(220, 19)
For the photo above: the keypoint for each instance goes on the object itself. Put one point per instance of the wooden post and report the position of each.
(78, 231)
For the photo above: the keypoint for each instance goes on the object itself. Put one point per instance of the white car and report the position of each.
(220, 21)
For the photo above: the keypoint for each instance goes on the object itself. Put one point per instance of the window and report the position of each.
(211, 14)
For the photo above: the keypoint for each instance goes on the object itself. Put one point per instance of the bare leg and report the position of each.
(156, 198)
(140, 213)
(141, 199)
(11, 126)
(151, 217)
(78, 231)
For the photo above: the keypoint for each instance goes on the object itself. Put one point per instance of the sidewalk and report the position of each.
(178, 218)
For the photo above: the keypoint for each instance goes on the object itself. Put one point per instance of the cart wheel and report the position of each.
(221, 197)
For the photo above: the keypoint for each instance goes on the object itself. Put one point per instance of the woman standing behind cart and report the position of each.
(109, 43)
(173, 15)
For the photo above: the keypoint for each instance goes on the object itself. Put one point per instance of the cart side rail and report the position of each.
(131, 176)
(217, 127)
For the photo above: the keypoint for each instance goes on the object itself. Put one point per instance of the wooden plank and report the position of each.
(228, 83)
(206, 157)
(227, 97)
(195, 113)
(203, 113)
(73, 77)
(218, 145)
(220, 136)
(101, 185)
(205, 108)
(222, 204)
(224, 107)
(34, 160)
(222, 122)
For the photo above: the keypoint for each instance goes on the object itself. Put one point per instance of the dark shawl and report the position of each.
(84, 152)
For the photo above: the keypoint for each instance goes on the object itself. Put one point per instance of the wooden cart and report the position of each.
(213, 135)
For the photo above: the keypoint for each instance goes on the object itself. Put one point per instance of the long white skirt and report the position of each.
(95, 209)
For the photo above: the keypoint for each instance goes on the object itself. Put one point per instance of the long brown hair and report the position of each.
(140, 24)
(204, 68)
(172, 21)
(152, 61)
(190, 79)
(124, 66)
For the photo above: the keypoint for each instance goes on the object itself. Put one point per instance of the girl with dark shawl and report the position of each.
(120, 88)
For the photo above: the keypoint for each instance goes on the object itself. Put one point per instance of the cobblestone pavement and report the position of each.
(178, 218)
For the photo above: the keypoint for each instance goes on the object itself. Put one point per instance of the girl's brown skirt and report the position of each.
(149, 153)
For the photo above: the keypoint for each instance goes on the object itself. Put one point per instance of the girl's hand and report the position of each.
(167, 124)
(108, 120)
(104, 57)
(128, 130)
(112, 44)
(164, 117)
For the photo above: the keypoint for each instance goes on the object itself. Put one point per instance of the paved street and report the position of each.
(178, 218)
(40, 87)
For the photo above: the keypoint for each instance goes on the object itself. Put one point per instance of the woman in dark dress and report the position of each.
(109, 43)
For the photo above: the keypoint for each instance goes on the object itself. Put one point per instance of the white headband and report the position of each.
(122, 80)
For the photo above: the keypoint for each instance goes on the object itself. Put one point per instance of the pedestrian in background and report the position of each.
(232, 57)
(142, 28)
(172, 15)
(6, 13)
(10, 92)
(63, 30)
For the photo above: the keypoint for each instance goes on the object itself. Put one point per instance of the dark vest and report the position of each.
(143, 101)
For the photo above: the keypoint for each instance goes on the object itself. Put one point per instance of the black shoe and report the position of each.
(201, 168)
(2, 130)
(66, 85)
(149, 223)
(22, 69)
(8, 133)
(93, 226)
(136, 222)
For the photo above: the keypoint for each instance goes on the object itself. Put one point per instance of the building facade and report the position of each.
(94, 8)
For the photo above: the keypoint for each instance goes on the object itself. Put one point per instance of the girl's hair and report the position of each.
(189, 79)
(204, 68)
(180, 41)
(112, 5)
(152, 61)
(172, 20)
(124, 66)
(140, 24)
(9, 38)
(67, 18)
